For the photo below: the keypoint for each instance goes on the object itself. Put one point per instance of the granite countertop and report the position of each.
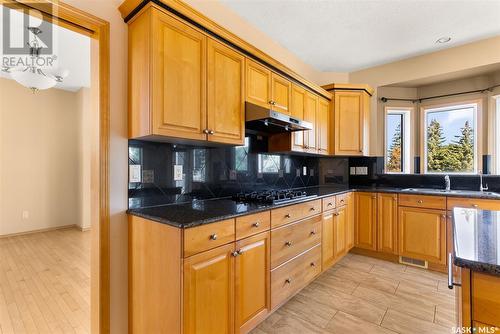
(198, 212)
(477, 240)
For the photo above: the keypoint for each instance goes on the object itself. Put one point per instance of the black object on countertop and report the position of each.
(476, 235)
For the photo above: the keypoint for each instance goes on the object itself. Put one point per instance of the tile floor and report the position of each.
(365, 295)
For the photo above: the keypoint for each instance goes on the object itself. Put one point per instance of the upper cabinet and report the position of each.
(267, 89)
(351, 118)
(182, 83)
(323, 128)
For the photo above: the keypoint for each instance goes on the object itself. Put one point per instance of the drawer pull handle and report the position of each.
(288, 215)
(288, 281)
(288, 244)
(256, 224)
(313, 232)
(420, 201)
(213, 236)
(475, 205)
(313, 264)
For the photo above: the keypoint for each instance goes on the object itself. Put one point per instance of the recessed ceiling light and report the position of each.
(443, 40)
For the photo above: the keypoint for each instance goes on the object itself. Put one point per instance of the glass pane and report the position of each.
(450, 140)
(199, 165)
(394, 143)
(269, 163)
(241, 157)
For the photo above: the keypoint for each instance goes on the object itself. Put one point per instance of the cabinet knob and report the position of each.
(475, 205)
(256, 224)
(235, 253)
(288, 244)
(213, 236)
(336, 214)
(288, 281)
(420, 201)
(312, 209)
(211, 132)
(313, 232)
(205, 131)
(288, 215)
(239, 251)
(330, 204)
(313, 264)
(374, 197)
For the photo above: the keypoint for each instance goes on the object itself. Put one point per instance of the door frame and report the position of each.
(97, 29)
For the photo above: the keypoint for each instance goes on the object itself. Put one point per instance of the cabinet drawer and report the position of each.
(484, 204)
(294, 275)
(204, 237)
(423, 201)
(486, 298)
(252, 224)
(328, 203)
(291, 240)
(342, 199)
(292, 213)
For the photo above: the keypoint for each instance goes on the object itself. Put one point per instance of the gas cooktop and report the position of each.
(271, 196)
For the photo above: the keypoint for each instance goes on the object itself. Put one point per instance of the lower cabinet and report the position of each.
(337, 232)
(340, 231)
(366, 220)
(387, 223)
(327, 244)
(422, 234)
(209, 291)
(252, 281)
(350, 236)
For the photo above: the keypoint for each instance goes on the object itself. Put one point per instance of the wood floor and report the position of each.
(365, 295)
(45, 283)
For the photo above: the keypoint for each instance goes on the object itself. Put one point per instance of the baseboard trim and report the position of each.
(48, 229)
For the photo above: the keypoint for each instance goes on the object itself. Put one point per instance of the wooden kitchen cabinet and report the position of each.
(252, 281)
(327, 243)
(340, 231)
(225, 94)
(422, 234)
(183, 84)
(323, 126)
(310, 108)
(366, 220)
(350, 233)
(281, 90)
(298, 100)
(209, 291)
(258, 84)
(387, 223)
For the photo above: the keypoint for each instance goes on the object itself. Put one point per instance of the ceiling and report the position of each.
(72, 51)
(349, 35)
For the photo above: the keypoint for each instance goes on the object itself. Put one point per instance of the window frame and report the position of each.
(461, 104)
(405, 113)
(496, 130)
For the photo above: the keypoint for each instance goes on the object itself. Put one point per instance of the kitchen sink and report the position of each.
(457, 192)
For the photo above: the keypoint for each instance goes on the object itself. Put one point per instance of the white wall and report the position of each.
(39, 158)
(84, 113)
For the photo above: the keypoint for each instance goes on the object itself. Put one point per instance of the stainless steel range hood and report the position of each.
(265, 120)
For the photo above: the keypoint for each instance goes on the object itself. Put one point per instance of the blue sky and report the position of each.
(452, 121)
(392, 123)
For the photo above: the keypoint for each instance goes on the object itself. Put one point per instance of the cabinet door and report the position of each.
(422, 234)
(311, 105)
(252, 280)
(350, 221)
(258, 84)
(349, 123)
(298, 100)
(339, 232)
(281, 90)
(323, 126)
(387, 223)
(366, 220)
(179, 56)
(226, 107)
(209, 292)
(327, 243)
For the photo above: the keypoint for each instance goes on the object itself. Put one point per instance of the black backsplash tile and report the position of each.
(210, 172)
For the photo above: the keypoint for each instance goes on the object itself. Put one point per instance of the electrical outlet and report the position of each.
(311, 172)
(280, 173)
(352, 170)
(361, 170)
(148, 176)
(304, 170)
(260, 175)
(134, 173)
(297, 172)
(232, 174)
(177, 172)
(25, 214)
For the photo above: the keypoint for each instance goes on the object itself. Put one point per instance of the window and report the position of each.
(269, 163)
(199, 165)
(450, 139)
(241, 157)
(397, 140)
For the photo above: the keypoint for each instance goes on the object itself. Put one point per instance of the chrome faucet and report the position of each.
(447, 182)
(481, 187)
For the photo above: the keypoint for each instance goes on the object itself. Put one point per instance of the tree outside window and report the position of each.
(450, 139)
